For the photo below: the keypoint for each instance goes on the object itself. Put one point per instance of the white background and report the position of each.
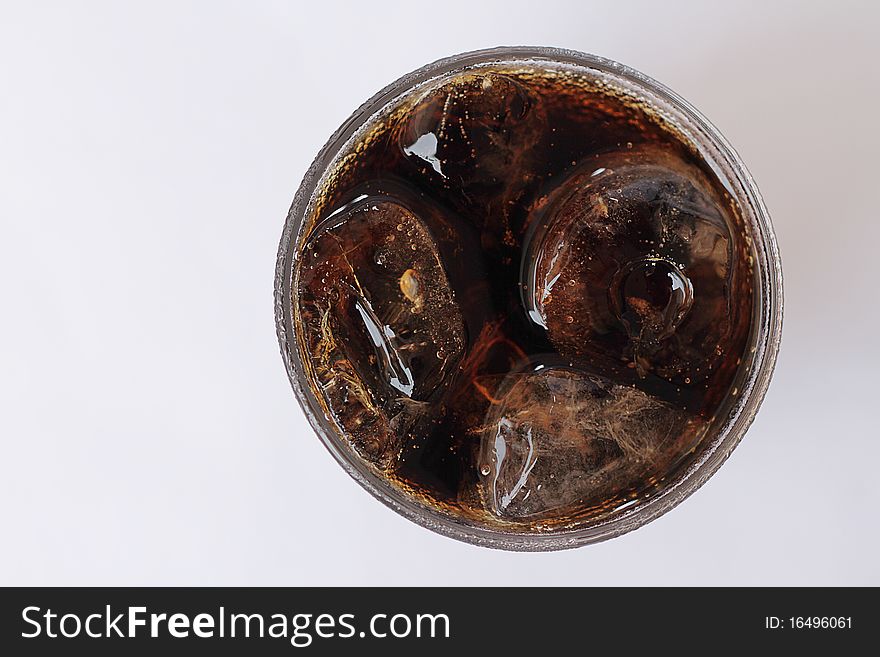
(148, 155)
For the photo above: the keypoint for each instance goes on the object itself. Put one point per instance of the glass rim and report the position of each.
(718, 445)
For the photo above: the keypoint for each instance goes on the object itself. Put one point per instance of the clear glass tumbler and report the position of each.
(754, 376)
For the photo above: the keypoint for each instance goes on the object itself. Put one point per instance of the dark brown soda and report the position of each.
(523, 297)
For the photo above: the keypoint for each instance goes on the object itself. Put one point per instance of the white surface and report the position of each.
(148, 156)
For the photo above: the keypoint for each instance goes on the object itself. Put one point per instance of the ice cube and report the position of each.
(630, 268)
(382, 325)
(559, 440)
(474, 135)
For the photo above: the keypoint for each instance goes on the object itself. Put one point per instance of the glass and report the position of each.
(753, 376)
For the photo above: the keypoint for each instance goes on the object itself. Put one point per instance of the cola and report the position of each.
(523, 297)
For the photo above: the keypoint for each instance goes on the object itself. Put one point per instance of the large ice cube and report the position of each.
(630, 268)
(474, 135)
(381, 321)
(559, 440)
